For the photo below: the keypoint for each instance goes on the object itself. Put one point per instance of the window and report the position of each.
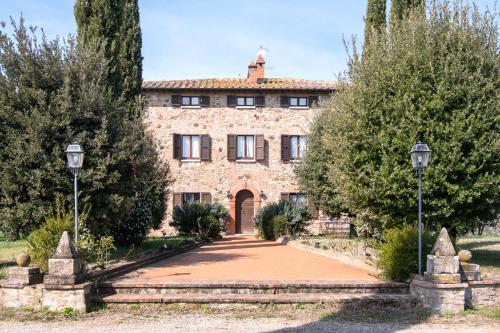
(297, 147)
(298, 101)
(190, 101)
(298, 199)
(190, 197)
(190, 147)
(245, 147)
(245, 101)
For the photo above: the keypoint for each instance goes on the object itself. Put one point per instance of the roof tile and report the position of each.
(236, 83)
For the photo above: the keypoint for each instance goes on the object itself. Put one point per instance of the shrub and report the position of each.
(200, 218)
(100, 249)
(280, 226)
(296, 215)
(42, 243)
(398, 257)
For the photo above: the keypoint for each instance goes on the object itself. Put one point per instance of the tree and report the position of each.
(113, 28)
(313, 171)
(51, 95)
(434, 79)
(401, 8)
(375, 20)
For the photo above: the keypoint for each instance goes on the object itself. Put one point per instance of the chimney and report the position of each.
(256, 68)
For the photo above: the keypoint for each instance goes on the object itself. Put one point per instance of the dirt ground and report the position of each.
(246, 258)
(248, 318)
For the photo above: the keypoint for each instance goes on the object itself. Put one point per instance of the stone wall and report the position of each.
(38, 296)
(220, 176)
(441, 298)
(455, 297)
(483, 294)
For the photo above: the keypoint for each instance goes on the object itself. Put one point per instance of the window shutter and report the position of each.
(177, 199)
(206, 147)
(176, 100)
(313, 100)
(285, 101)
(260, 101)
(259, 147)
(285, 147)
(206, 197)
(285, 196)
(231, 147)
(313, 209)
(231, 100)
(177, 146)
(205, 101)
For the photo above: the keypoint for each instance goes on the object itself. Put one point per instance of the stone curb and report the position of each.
(258, 284)
(232, 298)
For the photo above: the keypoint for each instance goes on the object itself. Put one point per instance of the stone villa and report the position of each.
(235, 141)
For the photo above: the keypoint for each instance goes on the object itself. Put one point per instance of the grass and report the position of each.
(8, 250)
(485, 252)
(151, 244)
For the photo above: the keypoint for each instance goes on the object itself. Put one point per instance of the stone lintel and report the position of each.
(486, 282)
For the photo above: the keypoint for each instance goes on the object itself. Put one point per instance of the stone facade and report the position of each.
(220, 177)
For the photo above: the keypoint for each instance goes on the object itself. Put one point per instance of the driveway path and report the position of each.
(246, 258)
(217, 324)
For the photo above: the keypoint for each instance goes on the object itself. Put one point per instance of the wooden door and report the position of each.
(244, 212)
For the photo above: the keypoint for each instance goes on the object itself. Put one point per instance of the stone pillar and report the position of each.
(441, 289)
(468, 270)
(64, 267)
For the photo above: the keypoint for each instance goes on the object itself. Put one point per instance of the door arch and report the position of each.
(244, 212)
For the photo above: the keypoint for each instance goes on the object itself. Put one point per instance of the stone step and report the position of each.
(253, 287)
(257, 299)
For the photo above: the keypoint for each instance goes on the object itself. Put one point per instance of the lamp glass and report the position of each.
(74, 153)
(420, 155)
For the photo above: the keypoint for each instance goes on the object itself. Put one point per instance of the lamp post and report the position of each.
(74, 153)
(419, 159)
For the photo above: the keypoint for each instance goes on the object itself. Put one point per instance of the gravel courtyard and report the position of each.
(214, 324)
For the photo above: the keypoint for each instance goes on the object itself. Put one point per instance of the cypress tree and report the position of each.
(112, 27)
(375, 17)
(399, 8)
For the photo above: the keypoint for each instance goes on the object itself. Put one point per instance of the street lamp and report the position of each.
(419, 159)
(74, 153)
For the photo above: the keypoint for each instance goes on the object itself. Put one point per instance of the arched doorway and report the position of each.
(244, 212)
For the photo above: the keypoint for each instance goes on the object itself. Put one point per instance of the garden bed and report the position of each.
(352, 251)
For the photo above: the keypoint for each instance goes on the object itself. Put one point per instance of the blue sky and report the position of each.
(218, 38)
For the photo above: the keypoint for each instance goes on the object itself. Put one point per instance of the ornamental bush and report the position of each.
(42, 243)
(297, 217)
(280, 226)
(206, 220)
(398, 256)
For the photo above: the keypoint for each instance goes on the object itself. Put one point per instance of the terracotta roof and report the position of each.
(266, 83)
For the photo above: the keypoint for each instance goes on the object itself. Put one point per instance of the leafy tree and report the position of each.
(433, 79)
(375, 20)
(112, 27)
(51, 95)
(313, 171)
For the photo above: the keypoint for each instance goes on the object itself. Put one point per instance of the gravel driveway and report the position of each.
(214, 324)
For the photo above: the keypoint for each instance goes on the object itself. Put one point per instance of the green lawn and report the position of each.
(8, 250)
(485, 252)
